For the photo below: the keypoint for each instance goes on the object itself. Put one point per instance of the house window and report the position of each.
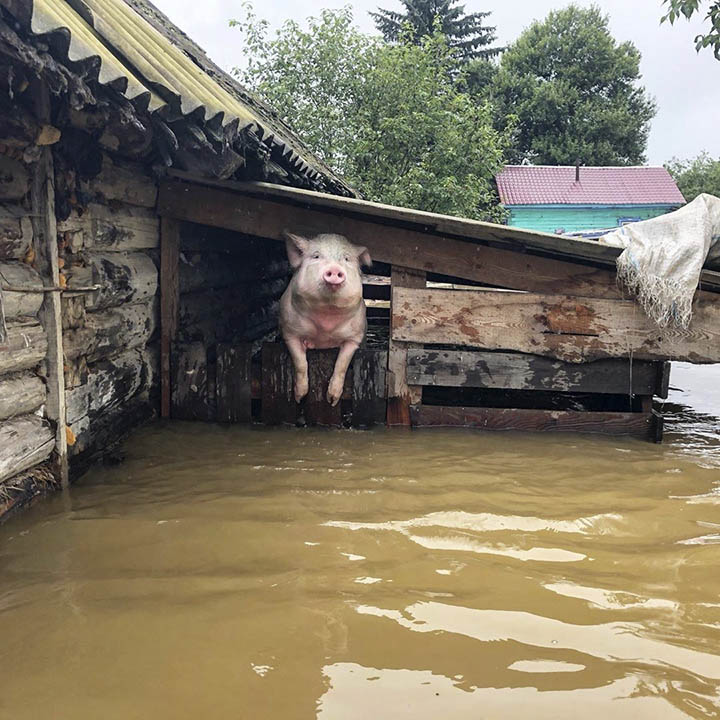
(627, 220)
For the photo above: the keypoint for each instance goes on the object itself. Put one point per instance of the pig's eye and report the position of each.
(347, 258)
(316, 255)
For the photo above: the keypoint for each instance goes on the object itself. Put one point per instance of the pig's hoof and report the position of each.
(301, 390)
(334, 393)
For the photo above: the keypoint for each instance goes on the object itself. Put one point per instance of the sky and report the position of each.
(684, 83)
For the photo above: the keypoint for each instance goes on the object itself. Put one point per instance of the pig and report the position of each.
(323, 305)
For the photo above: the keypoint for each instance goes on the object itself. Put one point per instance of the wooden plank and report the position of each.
(335, 211)
(25, 347)
(400, 395)
(124, 182)
(368, 370)
(15, 232)
(567, 328)
(127, 228)
(518, 371)
(45, 245)
(317, 409)
(123, 277)
(278, 400)
(14, 179)
(24, 442)
(605, 423)
(189, 381)
(20, 304)
(169, 303)
(20, 394)
(234, 383)
(395, 245)
(663, 379)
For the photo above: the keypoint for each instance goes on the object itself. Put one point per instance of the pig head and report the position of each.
(323, 306)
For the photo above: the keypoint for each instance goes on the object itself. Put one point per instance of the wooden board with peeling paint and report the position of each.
(559, 326)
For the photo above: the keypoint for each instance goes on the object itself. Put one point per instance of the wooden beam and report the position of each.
(233, 388)
(45, 245)
(400, 395)
(169, 303)
(399, 246)
(368, 387)
(607, 423)
(519, 371)
(567, 328)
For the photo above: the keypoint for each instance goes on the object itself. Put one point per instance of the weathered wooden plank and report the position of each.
(278, 400)
(369, 404)
(20, 304)
(24, 348)
(395, 245)
(24, 441)
(169, 304)
(607, 423)
(209, 271)
(516, 371)
(399, 394)
(190, 397)
(123, 277)
(129, 228)
(20, 394)
(318, 410)
(124, 182)
(15, 232)
(234, 383)
(14, 179)
(567, 328)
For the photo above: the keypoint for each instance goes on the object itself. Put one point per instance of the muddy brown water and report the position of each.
(253, 573)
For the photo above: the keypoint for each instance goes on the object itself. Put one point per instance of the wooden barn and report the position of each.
(142, 197)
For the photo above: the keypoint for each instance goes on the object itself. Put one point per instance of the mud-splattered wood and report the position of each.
(234, 383)
(368, 387)
(169, 304)
(519, 371)
(123, 277)
(128, 228)
(124, 182)
(606, 423)
(15, 232)
(24, 348)
(278, 401)
(20, 394)
(190, 398)
(14, 179)
(24, 442)
(20, 304)
(567, 328)
(318, 410)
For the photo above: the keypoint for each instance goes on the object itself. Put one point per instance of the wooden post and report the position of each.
(169, 303)
(42, 194)
(400, 395)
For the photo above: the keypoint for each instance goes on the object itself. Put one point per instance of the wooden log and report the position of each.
(234, 383)
(24, 348)
(169, 303)
(124, 182)
(515, 371)
(14, 179)
(73, 311)
(15, 232)
(422, 251)
(209, 271)
(369, 403)
(20, 304)
(76, 372)
(123, 277)
(318, 410)
(399, 394)
(212, 314)
(559, 326)
(24, 442)
(278, 401)
(190, 398)
(20, 394)
(112, 331)
(19, 490)
(128, 228)
(607, 423)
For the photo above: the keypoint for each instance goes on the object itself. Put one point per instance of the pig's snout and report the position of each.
(334, 276)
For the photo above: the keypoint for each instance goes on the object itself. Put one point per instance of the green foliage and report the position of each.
(390, 118)
(699, 175)
(465, 34)
(688, 8)
(574, 91)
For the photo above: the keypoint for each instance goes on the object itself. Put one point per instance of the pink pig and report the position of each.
(323, 305)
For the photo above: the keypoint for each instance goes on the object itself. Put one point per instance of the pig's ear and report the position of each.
(363, 255)
(296, 246)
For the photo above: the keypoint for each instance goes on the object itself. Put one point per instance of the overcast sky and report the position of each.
(685, 84)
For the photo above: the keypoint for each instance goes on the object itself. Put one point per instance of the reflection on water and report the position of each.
(284, 574)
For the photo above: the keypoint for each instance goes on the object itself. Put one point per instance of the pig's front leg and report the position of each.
(335, 388)
(299, 357)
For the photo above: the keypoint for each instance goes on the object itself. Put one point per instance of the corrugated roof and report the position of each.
(555, 184)
(161, 72)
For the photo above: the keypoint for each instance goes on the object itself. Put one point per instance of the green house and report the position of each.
(584, 200)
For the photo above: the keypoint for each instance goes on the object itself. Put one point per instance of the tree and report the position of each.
(688, 8)
(390, 118)
(699, 175)
(574, 91)
(465, 33)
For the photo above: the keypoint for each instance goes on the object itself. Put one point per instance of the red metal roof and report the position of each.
(555, 184)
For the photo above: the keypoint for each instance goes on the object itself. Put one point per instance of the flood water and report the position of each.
(224, 572)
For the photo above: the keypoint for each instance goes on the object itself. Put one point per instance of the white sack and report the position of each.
(663, 258)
